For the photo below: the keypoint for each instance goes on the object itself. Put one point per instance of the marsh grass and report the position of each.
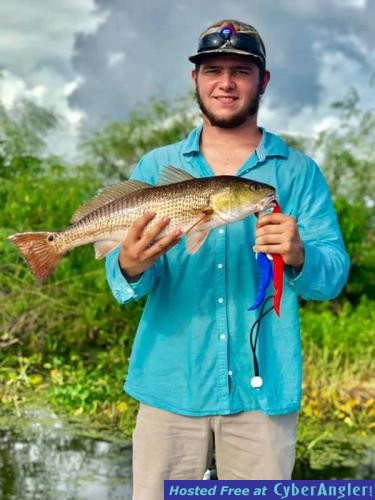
(67, 343)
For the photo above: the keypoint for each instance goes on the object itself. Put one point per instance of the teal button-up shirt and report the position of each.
(191, 353)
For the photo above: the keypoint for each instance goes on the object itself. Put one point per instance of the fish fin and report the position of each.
(207, 212)
(172, 175)
(39, 251)
(195, 240)
(103, 247)
(107, 195)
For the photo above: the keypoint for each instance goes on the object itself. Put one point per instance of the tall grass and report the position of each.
(68, 342)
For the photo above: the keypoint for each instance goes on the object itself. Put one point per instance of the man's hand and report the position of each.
(140, 250)
(278, 234)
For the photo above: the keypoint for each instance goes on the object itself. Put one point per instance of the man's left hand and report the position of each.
(278, 234)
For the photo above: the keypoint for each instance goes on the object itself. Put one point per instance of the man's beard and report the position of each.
(234, 121)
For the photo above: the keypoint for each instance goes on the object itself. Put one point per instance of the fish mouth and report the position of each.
(268, 201)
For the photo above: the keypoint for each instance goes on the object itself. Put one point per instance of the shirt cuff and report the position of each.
(321, 277)
(302, 280)
(292, 274)
(122, 290)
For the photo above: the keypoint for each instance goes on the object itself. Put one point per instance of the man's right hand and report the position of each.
(141, 248)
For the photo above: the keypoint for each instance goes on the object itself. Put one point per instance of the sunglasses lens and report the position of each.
(212, 41)
(249, 44)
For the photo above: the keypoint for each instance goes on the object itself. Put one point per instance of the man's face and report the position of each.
(228, 89)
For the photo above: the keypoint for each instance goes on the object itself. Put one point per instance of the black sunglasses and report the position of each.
(240, 41)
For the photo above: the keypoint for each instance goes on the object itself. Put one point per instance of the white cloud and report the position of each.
(60, 57)
(358, 4)
(37, 45)
(337, 73)
(33, 35)
(11, 88)
(71, 86)
(52, 95)
(115, 58)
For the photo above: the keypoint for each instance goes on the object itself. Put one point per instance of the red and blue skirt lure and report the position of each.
(270, 266)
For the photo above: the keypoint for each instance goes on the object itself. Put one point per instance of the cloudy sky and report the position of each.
(93, 60)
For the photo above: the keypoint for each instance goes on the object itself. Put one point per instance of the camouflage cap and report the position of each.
(230, 37)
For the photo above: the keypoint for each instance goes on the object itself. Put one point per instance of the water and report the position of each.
(42, 457)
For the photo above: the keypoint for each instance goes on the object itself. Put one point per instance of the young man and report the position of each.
(192, 366)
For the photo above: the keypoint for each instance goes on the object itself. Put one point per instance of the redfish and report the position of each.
(194, 205)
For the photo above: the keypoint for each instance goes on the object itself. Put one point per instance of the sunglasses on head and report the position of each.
(240, 41)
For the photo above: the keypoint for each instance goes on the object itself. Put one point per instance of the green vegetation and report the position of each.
(116, 148)
(66, 344)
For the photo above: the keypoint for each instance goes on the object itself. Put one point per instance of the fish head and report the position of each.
(242, 197)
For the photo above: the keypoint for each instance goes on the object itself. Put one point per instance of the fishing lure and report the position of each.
(266, 275)
(270, 266)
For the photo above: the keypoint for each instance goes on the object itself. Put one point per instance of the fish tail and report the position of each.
(40, 251)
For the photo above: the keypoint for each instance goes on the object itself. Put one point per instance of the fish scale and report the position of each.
(193, 205)
(184, 209)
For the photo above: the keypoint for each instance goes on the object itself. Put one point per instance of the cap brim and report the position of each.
(197, 58)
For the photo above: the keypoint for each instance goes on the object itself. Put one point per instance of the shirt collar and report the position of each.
(191, 143)
(270, 144)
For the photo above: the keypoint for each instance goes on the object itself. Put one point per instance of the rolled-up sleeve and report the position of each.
(122, 290)
(326, 267)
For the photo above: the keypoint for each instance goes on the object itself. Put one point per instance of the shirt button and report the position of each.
(291, 283)
(220, 266)
(221, 231)
(220, 300)
(230, 373)
(223, 336)
(129, 289)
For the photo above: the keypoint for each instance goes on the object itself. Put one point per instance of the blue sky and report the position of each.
(93, 60)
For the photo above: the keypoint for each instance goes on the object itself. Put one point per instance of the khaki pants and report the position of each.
(249, 445)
